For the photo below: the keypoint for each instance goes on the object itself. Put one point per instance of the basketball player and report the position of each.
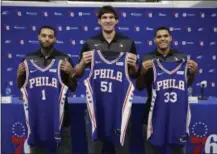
(109, 94)
(111, 43)
(44, 77)
(164, 53)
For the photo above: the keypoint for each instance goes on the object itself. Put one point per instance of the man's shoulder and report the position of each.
(36, 53)
(32, 54)
(149, 56)
(61, 55)
(122, 36)
(93, 40)
(179, 54)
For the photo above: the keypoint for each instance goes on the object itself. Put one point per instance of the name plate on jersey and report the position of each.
(193, 99)
(6, 100)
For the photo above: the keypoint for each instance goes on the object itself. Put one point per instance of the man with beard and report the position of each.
(164, 53)
(43, 58)
(111, 43)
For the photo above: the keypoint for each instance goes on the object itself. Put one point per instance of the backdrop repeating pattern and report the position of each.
(194, 32)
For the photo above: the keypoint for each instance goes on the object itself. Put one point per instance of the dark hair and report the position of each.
(107, 9)
(48, 27)
(162, 28)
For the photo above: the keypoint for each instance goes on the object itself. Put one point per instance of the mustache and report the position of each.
(46, 47)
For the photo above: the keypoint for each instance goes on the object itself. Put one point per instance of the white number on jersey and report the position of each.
(106, 86)
(43, 95)
(170, 97)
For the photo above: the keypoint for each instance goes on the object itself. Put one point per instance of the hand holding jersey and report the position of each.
(192, 66)
(67, 68)
(146, 65)
(131, 60)
(87, 57)
(21, 69)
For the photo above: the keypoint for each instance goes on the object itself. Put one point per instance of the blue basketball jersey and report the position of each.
(169, 115)
(109, 94)
(44, 97)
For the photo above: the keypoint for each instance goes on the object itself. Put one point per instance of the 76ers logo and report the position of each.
(211, 144)
(19, 134)
(199, 137)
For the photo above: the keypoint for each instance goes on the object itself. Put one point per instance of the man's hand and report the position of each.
(87, 57)
(131, 59)
(146, 65)
(21, 69)
(67, 67)
(192, 66)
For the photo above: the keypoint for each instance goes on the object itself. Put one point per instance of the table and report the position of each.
(204, 124)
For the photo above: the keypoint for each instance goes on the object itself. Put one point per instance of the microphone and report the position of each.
(203, 85)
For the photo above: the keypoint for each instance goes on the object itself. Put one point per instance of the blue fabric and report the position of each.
(203, 115)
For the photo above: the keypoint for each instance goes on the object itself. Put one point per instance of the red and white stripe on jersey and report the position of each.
(127, 106)
(89, 97)
(90, 104)
(25, 98)
(62, 104)
(26, 112)
(59, 73)
(188, 119)
(150, 115)
(126, 112)
(62, 96)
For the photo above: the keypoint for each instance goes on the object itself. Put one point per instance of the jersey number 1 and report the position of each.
(43, 95)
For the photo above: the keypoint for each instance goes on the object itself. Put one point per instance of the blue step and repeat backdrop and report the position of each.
(194, 32)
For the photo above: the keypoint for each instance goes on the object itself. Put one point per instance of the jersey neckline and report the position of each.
(42, 69)
(108, 61)
(168, 71)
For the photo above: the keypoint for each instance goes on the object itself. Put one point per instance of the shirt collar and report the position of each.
(52, 55)
(171, 52)
(114, 39)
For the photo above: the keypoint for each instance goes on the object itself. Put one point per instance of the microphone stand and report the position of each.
(202, 97)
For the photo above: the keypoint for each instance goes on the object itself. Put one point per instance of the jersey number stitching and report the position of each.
(170, 97)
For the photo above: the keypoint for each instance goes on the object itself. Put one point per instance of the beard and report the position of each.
(108, 31)
(163, 48)
(46, 47)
